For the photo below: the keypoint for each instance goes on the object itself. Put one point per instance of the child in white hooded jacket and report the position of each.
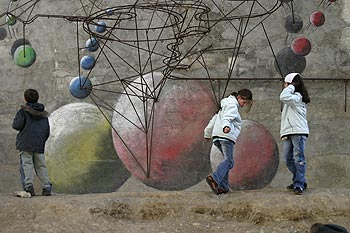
(294, 129)
(223, 129)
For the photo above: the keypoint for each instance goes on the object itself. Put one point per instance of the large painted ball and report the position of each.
(24, 56)
(79, 152)
(80, 87)
(87, 62)
(161, 141)
(256, 157)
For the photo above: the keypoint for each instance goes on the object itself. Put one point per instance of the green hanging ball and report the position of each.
(11, 20)
(24, 56)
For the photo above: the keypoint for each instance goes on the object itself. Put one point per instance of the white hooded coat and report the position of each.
(293, 119)
(227, 116)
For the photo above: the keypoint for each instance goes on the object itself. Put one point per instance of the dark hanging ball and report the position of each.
(293, 23)
(3, 33)
(17, 43)
(288, 62)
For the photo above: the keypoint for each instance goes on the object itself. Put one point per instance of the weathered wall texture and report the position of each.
(328, 149)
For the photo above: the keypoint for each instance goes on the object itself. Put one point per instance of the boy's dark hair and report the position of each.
(31, 96)
(300, 87)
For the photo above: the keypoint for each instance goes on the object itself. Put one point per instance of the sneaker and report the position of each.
(291, 186)
(212, 184)
(30, 190)
(47, 191)
(298, 191)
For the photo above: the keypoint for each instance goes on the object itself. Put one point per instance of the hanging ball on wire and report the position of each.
(288, 62)
(24, 56)
(317, 18)
(92, 44)
(80, 87)
(100, 27)
(301, 46)
(17, 43)
(109, 11)
(293, 23)
(87, 62)
(11, 20)
(3, 33)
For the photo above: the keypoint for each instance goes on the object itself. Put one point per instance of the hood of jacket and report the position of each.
(36, 110)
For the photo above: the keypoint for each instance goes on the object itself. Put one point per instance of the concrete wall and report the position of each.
(54, 40)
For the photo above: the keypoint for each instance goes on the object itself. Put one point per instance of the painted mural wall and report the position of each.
(131, 87)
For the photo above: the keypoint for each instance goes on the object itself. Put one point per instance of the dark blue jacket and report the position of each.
(33, 125)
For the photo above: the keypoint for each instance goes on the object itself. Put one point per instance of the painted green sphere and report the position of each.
(24, 56)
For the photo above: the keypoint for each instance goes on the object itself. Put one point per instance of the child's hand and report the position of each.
(227, 129)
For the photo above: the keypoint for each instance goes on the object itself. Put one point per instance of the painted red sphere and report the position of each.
(164, 148)
(256, 157)
(301, 46)
(317, 18)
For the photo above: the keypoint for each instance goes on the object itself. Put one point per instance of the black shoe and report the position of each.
(290, 187)
(305, 186)
(298, 191)
(47, 191)
(30, 190)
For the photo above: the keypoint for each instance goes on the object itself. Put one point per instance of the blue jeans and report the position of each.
(221, 174)
(293, 153)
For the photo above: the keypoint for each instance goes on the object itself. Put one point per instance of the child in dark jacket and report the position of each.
(32, 122)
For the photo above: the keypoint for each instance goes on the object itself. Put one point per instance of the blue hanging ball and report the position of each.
(100, 27)
(92, 44)
(80, 87)
(109, 11)
(87, 62)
